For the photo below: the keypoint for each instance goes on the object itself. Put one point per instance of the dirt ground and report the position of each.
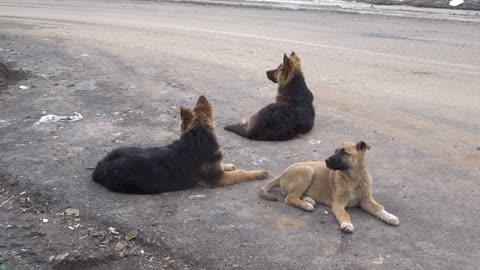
(37, 232)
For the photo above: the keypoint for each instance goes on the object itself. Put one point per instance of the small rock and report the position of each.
(23, 87)
(314, 142)
(291, 155)
(71, 85)
(101, 114)
(45, 220)
(326, 212)
(72, 212)
(131, 235)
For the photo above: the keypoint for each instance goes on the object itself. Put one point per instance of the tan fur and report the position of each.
(305, 183)
(290, 66)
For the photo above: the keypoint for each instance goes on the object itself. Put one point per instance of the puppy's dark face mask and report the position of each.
(338, 161)
(350, 155)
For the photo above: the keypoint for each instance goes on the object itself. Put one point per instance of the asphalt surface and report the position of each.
(409, 87)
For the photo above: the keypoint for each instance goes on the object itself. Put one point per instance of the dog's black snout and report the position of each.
(271, 75)
(328, 163)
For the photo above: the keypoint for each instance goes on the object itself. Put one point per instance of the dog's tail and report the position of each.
(263, 192)
(238, 129)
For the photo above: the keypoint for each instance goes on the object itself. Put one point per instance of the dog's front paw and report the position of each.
(243, 122)
(262, 175)
(309, 200)
(389, 218)
(307, 206)
(347, 227)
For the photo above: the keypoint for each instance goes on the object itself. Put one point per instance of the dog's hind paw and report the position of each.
(228, 167)
(347, 227)
(263, 174)
(389, 218)
(309, 200)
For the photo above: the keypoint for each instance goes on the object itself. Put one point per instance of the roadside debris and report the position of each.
(314, 142)
(71, 212)
(454, 3)
(291, 155)
(84, 55)
(45, 220)
(378, 260)
(2, 263)
(131, 235)
(196, 196)
(23, 87)
(59, 257)
(101, 114)
(52, 118)
(113, 230)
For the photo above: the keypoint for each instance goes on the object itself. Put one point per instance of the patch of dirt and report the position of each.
(37, 233)
(289, 223)
(10, 76)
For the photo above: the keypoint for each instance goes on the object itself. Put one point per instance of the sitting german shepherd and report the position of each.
(193, 160)
(291, 115)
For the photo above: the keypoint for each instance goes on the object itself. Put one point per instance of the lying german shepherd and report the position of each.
(193, 160)
(341, 181)
(291, 115)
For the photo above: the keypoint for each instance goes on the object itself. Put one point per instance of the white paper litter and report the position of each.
(52, 118)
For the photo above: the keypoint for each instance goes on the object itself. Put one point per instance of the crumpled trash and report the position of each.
(52, 118)
(23, 87)
(112, 230)
(59, 257)
(454, 3)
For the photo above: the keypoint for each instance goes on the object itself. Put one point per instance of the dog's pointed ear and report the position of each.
(362, 146)
(294, 56)
(286, 60)
(186, 114)
(203, 106)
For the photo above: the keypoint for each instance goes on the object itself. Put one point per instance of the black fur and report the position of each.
(292, 114)
(336, 161)
(160, 169)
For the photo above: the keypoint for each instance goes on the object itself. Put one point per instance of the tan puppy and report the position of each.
(341, 181)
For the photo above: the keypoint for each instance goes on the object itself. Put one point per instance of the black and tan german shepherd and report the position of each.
(193, 160)
(291, 115)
